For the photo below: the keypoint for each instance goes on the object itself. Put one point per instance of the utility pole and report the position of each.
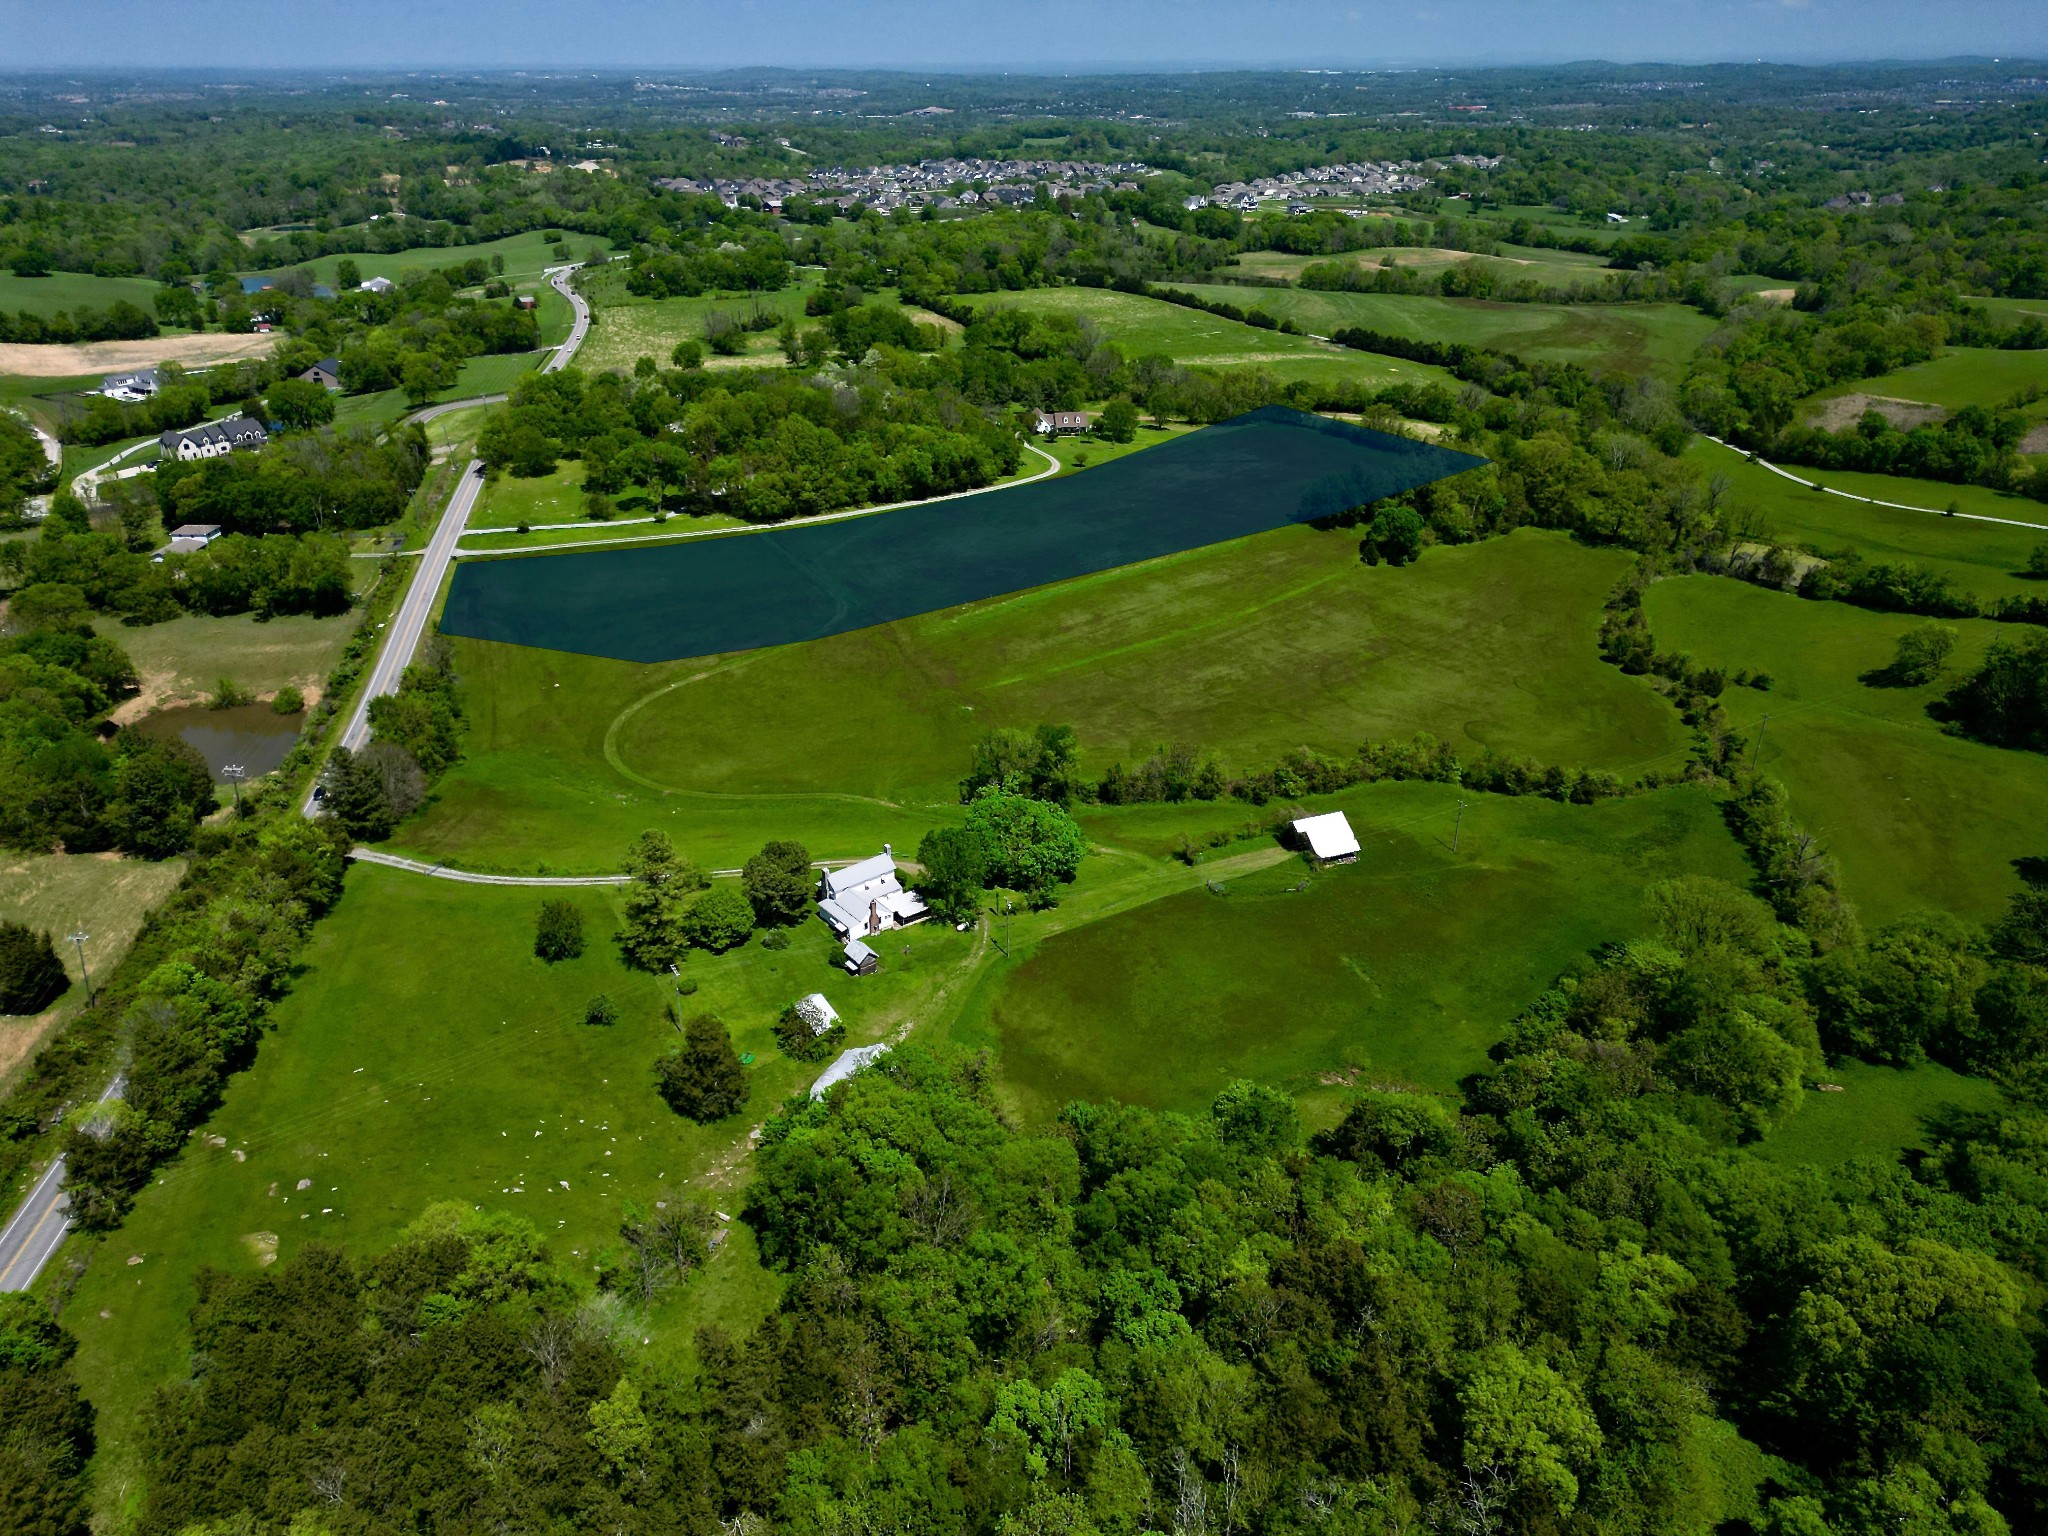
(234, 773)
(85, 975)
(1458, 828)
(1756, 752)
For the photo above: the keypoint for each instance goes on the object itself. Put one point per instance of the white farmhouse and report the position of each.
(867, 898)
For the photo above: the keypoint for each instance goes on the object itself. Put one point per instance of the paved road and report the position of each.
(405, 628)
(560, 276)
(467, 877)
(27, 1241)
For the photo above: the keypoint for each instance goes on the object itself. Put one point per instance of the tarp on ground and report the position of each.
(704, 597)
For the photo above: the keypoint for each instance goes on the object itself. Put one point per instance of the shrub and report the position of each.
(558, 932)
(719, 920)
(31, 975)
(601, 1010)
(799, 1042)
(704, 1080)
(288, 701)
(229, 694)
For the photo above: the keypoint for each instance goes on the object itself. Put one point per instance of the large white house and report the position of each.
(868, 898)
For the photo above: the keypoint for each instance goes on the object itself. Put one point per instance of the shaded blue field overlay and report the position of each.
(1253, 473)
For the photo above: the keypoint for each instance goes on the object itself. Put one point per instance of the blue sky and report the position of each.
(984, 34)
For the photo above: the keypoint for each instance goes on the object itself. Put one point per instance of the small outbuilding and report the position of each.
(844, 1065)
(817, 1012)
(375, 285)
(326, 373)
(860, 960)
(1328, 839)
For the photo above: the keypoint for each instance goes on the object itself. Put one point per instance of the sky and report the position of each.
(985, 35)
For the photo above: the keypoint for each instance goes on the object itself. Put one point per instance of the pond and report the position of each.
(253, 736)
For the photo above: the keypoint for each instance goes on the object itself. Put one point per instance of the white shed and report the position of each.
(844, 1065)
(1328, 838)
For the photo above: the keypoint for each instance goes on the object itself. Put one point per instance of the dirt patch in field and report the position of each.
(1776, 295)
(2036, 441)
(33, 361)
(1844, 411)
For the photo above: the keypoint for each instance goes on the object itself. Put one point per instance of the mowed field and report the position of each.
(625, 328)
(1960, 376)
(185, 657)
(74, 291)
(1248, 649)
(1915, 817)
(1654, 339)
(1403, 967)
(1514, 261)
(1142, 326)
(102, 895)
(1984, 558)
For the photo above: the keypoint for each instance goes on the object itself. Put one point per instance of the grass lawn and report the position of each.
(1514, 261)
(101, 894)
(625, 327)
(184, 657)
(1979, 557)
(1142, 326)
(492, 375)
(1632, 338)
(1914, 817)
(526, 257)
(1249, 648)
(1960, 376)
(425, 1055)
(74, 291)
(1880, 1112)
(1403, 967)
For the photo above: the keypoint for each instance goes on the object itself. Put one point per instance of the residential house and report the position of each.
(188, 539)
(212, 439)
(1061, 423)
(1328, 838)
(326, 373)
(130, 387)
(375, 285)
(867, 898)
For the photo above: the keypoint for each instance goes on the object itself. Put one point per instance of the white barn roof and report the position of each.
(1328, 836)
(844, 1065)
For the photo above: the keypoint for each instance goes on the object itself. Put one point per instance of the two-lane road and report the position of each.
(27, 1241)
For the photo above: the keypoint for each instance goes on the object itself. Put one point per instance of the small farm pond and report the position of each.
(252, 736)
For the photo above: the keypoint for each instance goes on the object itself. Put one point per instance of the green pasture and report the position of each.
(625, 327)
(1249, 649)
(1960, 376)
(1880, 1112)
(73, 291)
(1914, 817)
(1656, 339)
(1141, 326)
(1514, 261)
(526, 256)
(1404, 967)
(425, 1055)
(494, 374)
(1594, 226)
(1983, 558)
(186, 656)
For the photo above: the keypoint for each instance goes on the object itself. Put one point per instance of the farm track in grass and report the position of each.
(1915, 817)
(1246, 649)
